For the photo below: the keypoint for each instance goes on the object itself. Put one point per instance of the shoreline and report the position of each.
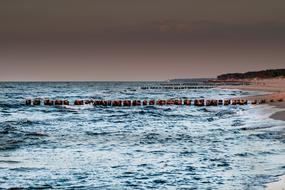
(274, 90)
(277, 185)
(271, 96)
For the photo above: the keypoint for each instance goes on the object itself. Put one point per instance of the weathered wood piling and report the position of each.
(129, 103)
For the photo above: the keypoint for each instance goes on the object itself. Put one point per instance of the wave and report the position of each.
(97, 133)
(14, 134)
(273, 135)
(11, 106)
(225, 113)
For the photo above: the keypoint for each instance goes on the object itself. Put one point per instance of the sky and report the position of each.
(133, 40)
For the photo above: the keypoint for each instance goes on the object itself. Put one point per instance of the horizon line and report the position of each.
(106, 80)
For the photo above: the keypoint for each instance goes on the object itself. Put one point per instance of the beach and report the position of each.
(274, 94)
(274, 90)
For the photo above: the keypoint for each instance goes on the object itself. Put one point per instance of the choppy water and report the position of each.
(154, 147)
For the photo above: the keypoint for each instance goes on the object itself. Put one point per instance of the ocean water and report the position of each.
(152, 147)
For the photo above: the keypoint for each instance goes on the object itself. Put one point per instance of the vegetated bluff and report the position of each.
(254, 74)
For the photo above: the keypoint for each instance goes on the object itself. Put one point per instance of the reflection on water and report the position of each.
(138, 147)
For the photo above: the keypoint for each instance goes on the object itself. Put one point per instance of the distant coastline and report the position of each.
(264, 74)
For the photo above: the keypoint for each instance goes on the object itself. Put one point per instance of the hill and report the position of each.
(253, 74)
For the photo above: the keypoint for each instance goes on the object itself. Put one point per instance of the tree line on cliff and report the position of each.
(253, 74)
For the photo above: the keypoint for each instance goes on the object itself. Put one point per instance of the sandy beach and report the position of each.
(275, 89)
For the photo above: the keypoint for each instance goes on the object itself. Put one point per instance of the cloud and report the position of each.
(174, 26)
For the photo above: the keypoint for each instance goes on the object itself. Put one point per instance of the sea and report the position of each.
(142, 147)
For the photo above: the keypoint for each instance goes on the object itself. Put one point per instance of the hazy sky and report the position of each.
(138, 39)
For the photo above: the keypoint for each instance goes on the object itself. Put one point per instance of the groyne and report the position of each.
(158, 102)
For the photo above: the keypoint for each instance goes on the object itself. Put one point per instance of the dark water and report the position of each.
(154, 147)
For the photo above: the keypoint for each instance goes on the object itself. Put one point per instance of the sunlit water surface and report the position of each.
(158, 147)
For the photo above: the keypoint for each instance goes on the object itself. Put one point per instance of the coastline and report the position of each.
(275, 90)
(277, 185)
(280, 115)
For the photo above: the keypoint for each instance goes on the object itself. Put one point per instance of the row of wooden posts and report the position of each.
(197, 102)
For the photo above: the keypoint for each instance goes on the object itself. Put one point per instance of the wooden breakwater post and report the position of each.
(152, 102)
